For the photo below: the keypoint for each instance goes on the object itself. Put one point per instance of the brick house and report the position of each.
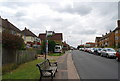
(57, 37)
(30, 38)
(111, 39)
(117, 34)
(97, 41)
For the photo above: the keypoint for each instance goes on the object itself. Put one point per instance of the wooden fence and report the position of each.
(17, 57)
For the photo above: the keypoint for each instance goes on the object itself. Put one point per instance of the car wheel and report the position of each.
(107, 56)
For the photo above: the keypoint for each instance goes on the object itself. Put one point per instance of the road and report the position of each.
(91, 66)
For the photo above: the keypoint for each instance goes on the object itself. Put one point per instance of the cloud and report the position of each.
(76, 20)
(79, 9)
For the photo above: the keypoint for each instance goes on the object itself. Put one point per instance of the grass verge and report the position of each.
(25, 71)
(56, 54)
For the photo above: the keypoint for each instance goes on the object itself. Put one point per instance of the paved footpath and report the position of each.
(66, 68)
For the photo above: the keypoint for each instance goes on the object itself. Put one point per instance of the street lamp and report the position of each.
(48, 34)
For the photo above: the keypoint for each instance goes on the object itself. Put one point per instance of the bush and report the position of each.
(51, 46)
(10, 41)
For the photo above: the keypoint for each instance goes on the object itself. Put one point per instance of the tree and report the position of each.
(78, 47)
(43, 47)
(10, 41)
(51, 46)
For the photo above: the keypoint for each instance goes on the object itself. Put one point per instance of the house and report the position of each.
(97, 41)
(57, 37)
(30, 39)
(65, 46)
(9, 27)
(117, 34)
(107, 40)
(111, 39)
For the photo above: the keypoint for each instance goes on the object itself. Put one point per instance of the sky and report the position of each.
(80, 21)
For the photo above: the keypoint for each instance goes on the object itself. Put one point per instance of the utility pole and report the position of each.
(81, 42)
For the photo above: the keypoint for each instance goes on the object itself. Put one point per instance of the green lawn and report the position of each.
(56, 54)
(25, 71)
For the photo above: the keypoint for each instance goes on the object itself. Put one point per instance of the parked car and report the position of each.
(118, 55)
(92, 50)
(81, 49)
(58, 49)
(108, 52)
(97, 51)
(86, 49)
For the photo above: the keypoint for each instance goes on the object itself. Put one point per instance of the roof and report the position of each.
(56, 36)
(27, 32)
(90, 43)
(7, 25)
(118, 28)
(97, 38)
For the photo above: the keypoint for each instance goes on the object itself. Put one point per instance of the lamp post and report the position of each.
(48, 34)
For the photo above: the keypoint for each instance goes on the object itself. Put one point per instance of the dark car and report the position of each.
(98, 51)
(118, 55)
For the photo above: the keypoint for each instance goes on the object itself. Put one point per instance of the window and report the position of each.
(13, 32)
(116, 37)
(116, 44)
(116, 31)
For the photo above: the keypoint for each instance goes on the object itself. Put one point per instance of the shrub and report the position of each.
(51, 46)
(10, 41)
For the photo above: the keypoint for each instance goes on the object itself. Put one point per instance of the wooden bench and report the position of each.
(47, 69)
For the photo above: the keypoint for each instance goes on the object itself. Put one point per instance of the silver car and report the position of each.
(108, 52)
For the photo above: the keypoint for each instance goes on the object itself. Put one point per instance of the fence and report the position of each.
(17, 57)
(24, 56)
(11, 59)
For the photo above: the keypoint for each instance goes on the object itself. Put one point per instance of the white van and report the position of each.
(58, 49)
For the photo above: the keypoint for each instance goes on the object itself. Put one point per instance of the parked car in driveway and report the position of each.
(118, 55)
(108, 52)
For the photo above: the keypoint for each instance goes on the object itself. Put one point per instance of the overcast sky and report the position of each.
(78, 21)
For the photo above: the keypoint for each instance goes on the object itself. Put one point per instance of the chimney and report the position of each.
(106, 33)
(110, 31)
(25, 28)
(6, 19)
(102, 35)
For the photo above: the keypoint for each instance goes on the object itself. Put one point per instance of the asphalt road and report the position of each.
(91, 66)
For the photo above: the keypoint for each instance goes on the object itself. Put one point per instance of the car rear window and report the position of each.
(110, 50)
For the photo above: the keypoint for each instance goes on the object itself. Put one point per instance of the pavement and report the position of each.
(66, 67)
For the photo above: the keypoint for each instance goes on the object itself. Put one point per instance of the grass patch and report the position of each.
(25, 71)
(56, 54)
